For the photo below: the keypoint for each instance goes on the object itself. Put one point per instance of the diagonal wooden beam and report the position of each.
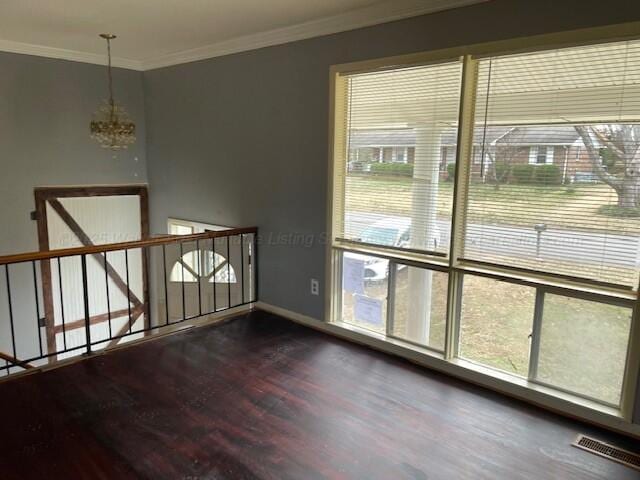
(15, 361)
(86, 241)
(97, 319)
(123, 330)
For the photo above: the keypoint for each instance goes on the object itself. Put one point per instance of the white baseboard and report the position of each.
(549, 399)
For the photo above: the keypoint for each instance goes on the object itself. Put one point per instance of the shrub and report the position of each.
(451, 172)
(405, 169)
(523, 173)
(503, 170)
(547, 175)
(619, 212)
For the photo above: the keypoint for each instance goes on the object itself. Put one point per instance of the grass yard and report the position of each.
(583, 344)
(511, 205)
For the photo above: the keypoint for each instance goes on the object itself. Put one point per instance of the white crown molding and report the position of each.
(364, 17)
(65, 54)
(378, 13)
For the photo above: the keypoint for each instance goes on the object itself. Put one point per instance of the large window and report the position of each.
(571, 210)
(397, 201)
(498, 224)
(583, 346)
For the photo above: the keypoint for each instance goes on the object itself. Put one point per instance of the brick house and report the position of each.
(536, 145)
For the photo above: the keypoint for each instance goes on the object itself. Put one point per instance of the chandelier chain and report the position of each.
(110, 74)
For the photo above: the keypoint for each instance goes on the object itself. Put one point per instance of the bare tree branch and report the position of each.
(620, 152)
(594, 157)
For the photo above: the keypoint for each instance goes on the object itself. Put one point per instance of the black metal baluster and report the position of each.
(64, 329)
(146, 303)
(85, 297)
(228, 272)
(166, 288)
(242, 265)
(213, 274)
(126, 265)
(106, 282)
(13, 336)
(184, 304)
(199, 278)
(35, 289)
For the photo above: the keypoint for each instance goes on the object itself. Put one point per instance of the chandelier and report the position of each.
(111, 125)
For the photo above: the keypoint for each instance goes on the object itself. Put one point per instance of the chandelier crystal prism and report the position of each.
(111, 125)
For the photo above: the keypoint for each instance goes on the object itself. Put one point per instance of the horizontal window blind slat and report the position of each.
(394, 175)
(558, 190)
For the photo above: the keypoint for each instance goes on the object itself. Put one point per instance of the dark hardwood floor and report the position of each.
(259, 397)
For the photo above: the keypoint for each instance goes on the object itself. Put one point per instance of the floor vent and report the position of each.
(608, 451)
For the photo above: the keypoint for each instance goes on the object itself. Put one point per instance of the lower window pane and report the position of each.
(495, 324)
(583, 346)
(420, 306)
(364, 291)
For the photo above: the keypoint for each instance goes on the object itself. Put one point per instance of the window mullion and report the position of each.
(629, 405)
(534, 352)
(466, 117)
(336, 191)
(391, 294)
(466, 120)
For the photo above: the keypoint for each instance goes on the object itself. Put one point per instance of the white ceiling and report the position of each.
(155, 33)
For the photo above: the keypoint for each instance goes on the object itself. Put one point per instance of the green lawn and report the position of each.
(512, 205)
(583, 347)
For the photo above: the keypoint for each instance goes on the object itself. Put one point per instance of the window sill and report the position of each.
(517, 387)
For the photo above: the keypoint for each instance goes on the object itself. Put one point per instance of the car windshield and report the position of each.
(380, 235)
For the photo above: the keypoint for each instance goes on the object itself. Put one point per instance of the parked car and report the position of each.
(391, 232)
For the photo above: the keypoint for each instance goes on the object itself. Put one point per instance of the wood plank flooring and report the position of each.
(259, 397)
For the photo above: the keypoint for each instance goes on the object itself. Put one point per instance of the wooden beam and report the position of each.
(86, 241)
(97, 319)
(45, 272)
(15, 361)
(122, 331)
(90, 191)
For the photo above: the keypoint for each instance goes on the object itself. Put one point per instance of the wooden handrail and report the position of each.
(112, 247)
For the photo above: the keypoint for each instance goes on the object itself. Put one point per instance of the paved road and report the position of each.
(556, 244)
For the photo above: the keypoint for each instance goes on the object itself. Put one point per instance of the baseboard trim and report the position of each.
(565, 405)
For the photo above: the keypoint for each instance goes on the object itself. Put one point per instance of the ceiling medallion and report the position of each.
(111, 125)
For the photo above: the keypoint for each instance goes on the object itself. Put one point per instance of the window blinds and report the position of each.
(557, 187)
(401, 133)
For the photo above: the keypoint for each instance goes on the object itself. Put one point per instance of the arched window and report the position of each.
(204, 264)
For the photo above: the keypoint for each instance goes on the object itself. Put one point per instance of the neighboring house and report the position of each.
(536, 145)
(385, 146)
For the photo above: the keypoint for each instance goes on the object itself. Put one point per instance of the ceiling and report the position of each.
(156, 33)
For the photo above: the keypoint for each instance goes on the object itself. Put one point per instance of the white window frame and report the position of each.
(196, 227)
(616, 417)
(533, 154)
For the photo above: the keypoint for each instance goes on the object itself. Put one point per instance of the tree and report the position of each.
(615, 158)
(503, 153)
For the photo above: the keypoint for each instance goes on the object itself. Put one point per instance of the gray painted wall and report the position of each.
(243, 139)
(45, 110)
(237, 140)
